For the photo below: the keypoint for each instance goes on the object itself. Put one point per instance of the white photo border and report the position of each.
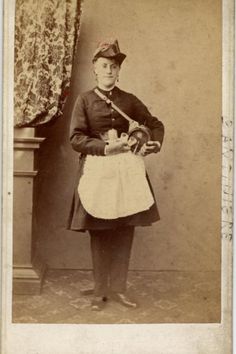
(117, 339)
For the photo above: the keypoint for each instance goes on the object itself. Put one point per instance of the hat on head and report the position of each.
(109, 49)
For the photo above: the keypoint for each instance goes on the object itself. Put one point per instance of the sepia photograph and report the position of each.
(118, 176)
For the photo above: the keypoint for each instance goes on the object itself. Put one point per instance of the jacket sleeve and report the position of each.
(80, 138)
(143, 116)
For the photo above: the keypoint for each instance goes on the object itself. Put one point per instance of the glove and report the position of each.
(116, 147)
(150, 147)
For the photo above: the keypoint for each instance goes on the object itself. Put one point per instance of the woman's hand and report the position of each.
(150, 147)
(116, 147)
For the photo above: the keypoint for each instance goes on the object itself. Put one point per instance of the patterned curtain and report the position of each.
(46, 33)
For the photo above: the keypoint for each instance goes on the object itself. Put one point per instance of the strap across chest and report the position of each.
(132, 122)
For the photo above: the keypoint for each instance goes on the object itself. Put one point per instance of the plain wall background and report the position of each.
(173, 65)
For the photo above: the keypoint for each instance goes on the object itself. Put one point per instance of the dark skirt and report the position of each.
(80, 220)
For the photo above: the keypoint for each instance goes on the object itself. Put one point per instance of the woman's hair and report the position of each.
(115, 59)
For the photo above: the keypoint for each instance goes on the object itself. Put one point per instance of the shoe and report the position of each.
(124, 300)
(98, 303)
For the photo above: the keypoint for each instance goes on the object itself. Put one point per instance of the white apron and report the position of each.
(114, 186)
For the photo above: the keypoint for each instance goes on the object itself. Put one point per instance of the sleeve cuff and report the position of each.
(105, 150)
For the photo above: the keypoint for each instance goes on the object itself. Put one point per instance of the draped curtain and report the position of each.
(46, 32)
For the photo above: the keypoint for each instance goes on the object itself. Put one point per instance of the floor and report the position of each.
(163, 297)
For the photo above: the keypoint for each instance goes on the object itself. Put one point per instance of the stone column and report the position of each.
(28, 270)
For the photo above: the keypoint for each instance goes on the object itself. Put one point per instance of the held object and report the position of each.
(138, 135)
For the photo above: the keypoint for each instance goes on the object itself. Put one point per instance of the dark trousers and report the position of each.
(111, 251)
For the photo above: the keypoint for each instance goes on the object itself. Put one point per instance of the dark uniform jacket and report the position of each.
(91, 117)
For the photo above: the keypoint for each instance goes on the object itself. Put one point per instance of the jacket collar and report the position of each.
(109, 93)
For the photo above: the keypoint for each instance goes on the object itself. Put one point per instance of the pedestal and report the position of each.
(28, 270)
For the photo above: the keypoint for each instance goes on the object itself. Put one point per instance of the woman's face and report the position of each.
(107, 72)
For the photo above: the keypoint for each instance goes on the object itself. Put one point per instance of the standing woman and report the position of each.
(113, 194)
